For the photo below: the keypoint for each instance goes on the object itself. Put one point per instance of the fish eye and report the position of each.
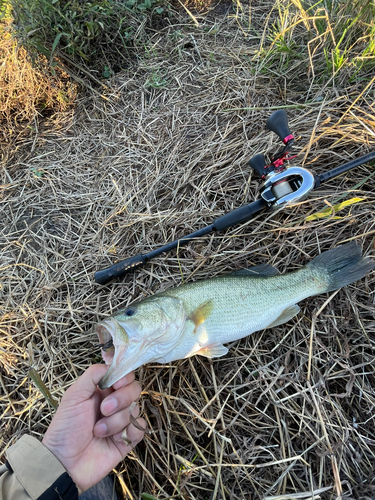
(130, 312)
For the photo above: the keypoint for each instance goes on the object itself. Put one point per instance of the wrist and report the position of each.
(55, 451)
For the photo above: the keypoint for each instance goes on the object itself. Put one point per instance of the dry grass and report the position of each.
(26, 94)
(288, 413)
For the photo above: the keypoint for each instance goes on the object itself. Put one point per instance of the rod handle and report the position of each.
(239, 215)
(278, 123)
(119, 269)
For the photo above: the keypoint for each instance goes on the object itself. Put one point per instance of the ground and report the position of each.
(159, 153)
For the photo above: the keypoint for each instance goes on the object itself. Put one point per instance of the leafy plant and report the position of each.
(96, 33)
(157, 80)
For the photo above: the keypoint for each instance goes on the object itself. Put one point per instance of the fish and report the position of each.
(201, 316)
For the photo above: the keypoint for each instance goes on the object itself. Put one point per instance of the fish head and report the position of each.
(143, 332)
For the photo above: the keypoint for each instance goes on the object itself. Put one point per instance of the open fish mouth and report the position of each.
(114, 343)
(105, 333)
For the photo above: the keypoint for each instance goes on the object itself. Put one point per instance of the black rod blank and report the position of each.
(335, 172)
(234, 217)
(237, 216)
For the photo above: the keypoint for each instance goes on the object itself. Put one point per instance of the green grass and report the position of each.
(157, 80)
(335, 39)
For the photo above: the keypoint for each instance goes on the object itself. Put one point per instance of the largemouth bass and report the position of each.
(199, 317)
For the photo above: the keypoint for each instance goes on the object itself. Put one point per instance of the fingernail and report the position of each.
(109, 405)
(124, 437)
(101, 429)
(132, 406)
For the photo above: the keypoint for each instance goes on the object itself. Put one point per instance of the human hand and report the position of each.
(86, 432)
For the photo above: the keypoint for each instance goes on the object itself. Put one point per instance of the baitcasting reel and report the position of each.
(282, 185)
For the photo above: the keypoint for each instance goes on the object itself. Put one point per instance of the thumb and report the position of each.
(85, 386)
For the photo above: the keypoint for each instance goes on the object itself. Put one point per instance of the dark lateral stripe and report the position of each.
(62, 489)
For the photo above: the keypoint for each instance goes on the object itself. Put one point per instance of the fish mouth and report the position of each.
(105, 338)
(115, 342)
(123, 356)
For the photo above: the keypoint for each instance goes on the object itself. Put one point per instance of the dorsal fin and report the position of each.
(259, 271)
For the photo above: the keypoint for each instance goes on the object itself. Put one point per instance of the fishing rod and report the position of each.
(282, 185)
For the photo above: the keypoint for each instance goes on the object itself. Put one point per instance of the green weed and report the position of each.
(95, 33)
(157, 80)
(335, 39)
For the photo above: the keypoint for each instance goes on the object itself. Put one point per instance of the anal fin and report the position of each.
(213, 351)
(285, 316)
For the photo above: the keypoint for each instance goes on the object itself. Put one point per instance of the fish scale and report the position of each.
(242, 305)
(199, 317)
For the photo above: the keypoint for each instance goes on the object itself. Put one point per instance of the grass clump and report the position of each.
(336, 38)
(27, 92)
(96, 34)
(345, 35)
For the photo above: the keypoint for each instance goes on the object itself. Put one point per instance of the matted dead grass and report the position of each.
(289, 412)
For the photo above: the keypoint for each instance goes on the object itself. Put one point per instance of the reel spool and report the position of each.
(286, 187)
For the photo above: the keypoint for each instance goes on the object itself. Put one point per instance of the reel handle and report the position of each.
(257, 163)
(278, 123)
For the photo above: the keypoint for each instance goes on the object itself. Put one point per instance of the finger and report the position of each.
(131, 439)
(116, 423)
(120, 399)
(128, 379)
(85, 386)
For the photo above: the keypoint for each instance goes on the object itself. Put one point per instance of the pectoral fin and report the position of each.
(201, 313)
(285, 316)
(213, 351)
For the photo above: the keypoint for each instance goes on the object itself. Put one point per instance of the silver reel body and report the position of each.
(288, 186)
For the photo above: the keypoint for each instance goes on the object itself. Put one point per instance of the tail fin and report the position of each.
(342, 265)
